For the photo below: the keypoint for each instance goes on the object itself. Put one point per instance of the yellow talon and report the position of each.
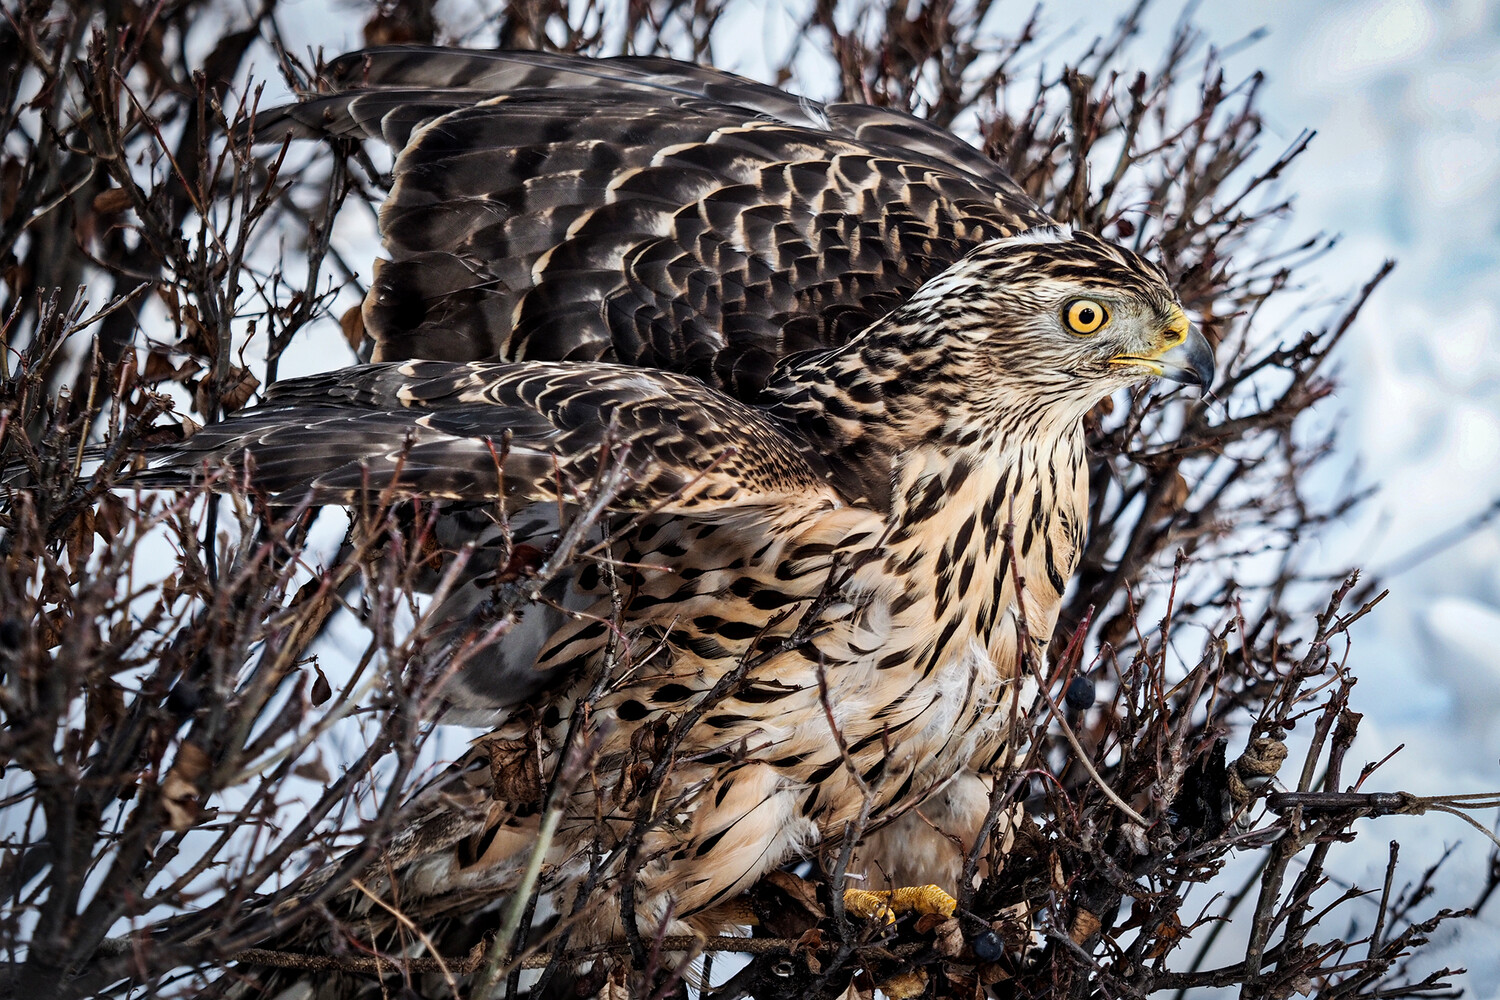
(886, 906)
(867, 905)
(923, 899)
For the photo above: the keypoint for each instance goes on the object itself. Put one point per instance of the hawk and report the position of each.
(832, 363)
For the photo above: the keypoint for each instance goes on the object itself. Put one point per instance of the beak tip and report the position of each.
(1190, 362)
(1203, 375)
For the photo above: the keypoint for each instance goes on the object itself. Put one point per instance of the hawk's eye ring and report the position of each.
(1085, 316)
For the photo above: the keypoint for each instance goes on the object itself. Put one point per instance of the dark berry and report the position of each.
(184, 699)
(1080, 693)
(988, 947)
(12, 634)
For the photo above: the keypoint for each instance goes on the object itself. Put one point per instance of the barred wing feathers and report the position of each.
(644, 211)
(537, 431)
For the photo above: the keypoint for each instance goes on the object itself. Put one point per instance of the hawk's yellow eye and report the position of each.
(1085, 316)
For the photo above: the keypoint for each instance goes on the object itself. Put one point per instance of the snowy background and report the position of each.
(1405, 98)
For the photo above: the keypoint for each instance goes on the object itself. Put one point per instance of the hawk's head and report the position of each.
(1050, 319)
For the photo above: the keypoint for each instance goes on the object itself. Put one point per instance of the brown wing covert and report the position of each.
(533, 431)
(644, 211)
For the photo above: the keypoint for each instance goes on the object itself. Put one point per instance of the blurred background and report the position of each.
(1405, 98)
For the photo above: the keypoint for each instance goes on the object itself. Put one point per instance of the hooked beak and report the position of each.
(1190, 362)
(1188, 358)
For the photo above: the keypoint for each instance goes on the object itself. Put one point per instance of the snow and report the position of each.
(1407, 164)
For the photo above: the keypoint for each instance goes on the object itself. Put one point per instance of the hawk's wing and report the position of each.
(644, 211)
(540, 431)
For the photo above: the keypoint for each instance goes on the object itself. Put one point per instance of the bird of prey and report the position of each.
(833, 363)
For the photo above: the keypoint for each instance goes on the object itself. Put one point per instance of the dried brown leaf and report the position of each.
(515, 770)
(905, 985)
(179, 790)
(1085, 925)
(321, 690)
(239, 386)
(353, 325)
(79, 540)
(948, 937)
(111, 201)
(159, 368)
(313, 770)
(1176, 493)
(798, 890)
(112, 517)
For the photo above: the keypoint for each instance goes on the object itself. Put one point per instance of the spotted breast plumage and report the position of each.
(834, 364)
